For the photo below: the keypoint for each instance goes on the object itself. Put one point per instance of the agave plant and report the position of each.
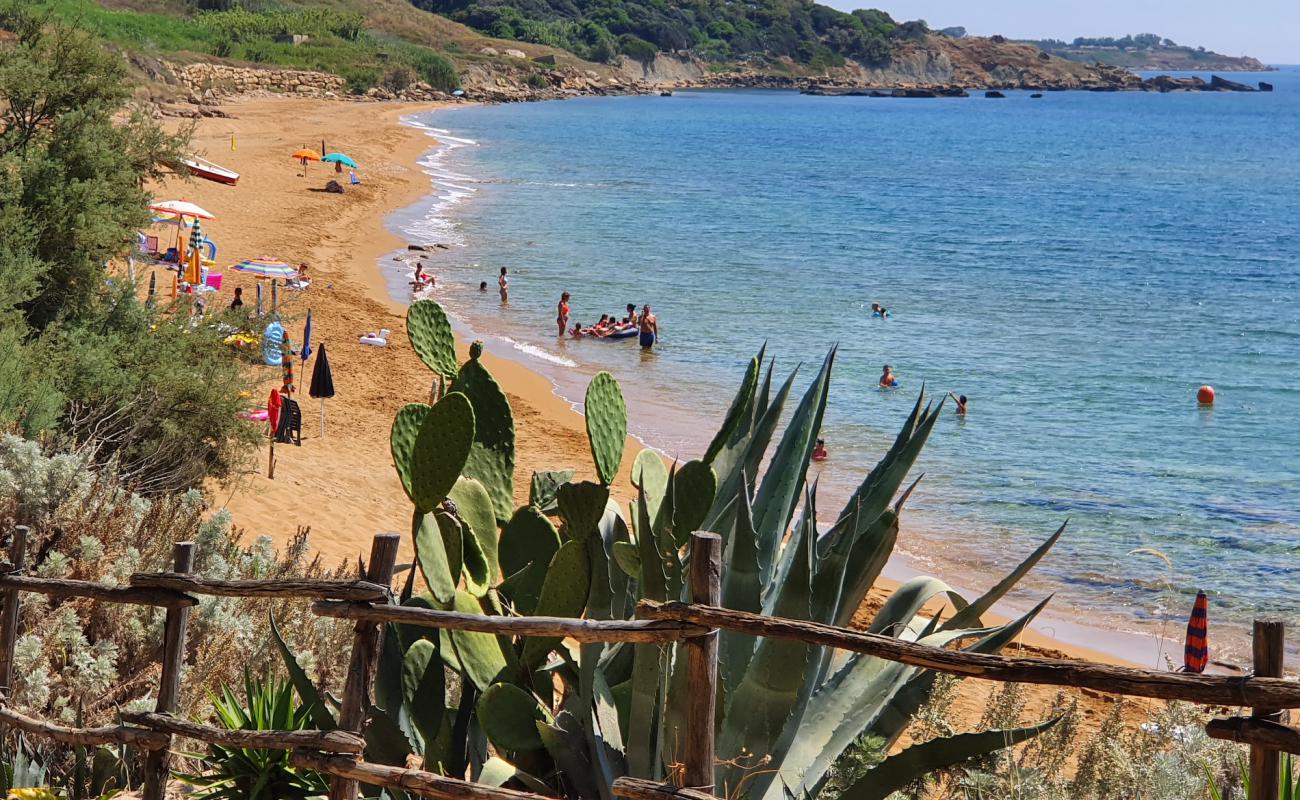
(571, 719)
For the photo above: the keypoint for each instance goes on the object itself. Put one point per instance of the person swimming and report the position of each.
(577, 331)
(482, 286)
(961, 403)
(877, 310)
(819, 451)
(887, 379)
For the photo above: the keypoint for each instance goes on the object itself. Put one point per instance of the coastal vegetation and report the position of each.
(1144, 51)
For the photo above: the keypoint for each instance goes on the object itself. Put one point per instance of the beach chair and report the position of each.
(289, 431)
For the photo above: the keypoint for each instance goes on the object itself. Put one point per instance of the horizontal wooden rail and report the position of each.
(426, 784)
(638, 789)
(328, 741)
(109, 734)
(582, 630)
(1260, 732)
(65, 588)
(1203, 689)
(287, 587)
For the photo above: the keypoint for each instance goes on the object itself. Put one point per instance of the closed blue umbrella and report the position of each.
(306, 338)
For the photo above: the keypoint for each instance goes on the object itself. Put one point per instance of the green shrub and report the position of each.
(637, 49)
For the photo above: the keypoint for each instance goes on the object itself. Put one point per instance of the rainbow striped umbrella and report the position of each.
(265, 268)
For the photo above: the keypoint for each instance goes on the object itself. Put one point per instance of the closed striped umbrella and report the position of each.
(286, 361)
(194, 270)
(265, 268)
(1196, 654)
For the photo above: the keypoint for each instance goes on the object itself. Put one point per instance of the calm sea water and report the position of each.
(1077, 265)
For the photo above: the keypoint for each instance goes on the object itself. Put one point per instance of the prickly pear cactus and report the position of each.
(509, 717)
(478, 654)
(694, 486)
(564, 594)
(474, 508)
(430, 333)
(650, 474)
(606, 425)
(441, 447)
(492, 457)
(401, 439)
(529, 541)
(431, 555)
(581, 507)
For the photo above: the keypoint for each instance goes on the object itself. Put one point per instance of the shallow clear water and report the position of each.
(1077, 265)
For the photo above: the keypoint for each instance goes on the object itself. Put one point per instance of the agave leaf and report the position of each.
(321, 718)
(564, 742)
(644, 743)
(870, 552)
(744, 458)
(764, 703)
(498, 772)
(388, 675)
(541, 492)
(970, 615)
(386, 743)
(806, 527)
(908, 600)
(901, 769)
(653, 584)
(564, 594)
(742, 589)
(741, 413)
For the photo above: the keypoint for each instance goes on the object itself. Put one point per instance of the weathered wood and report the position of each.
(702, 664)
(67, 588)
(289, 587)
(641, 789)
(581, 630)
(1262, 732)
(426, 784)
(85, 737)
(328, 741)
(9, 612)
(1268, 645)
(1204, 689)
(366, 639)
(156, 764)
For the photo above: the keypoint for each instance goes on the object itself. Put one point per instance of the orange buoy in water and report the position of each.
(1205, 395)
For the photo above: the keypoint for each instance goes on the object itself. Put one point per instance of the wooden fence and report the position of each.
(339, 753)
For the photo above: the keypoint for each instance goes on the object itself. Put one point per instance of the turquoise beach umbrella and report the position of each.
(340, 158)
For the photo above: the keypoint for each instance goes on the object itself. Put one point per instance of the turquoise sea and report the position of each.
(1077, 265)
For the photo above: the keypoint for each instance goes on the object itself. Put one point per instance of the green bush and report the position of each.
(637, 49)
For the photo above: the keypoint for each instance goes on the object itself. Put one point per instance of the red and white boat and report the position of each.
(209, 171)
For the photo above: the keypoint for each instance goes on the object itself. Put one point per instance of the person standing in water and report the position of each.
(504, 286)
(562, 313)
(961, 403)
(649, 328)
(887, 379)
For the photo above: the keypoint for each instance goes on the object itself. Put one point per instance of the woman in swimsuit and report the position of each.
(504, 286)
(562, 313)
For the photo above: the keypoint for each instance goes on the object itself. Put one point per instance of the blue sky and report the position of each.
(1266, 29)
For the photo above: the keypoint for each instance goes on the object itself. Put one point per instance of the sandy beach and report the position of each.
(343, 486)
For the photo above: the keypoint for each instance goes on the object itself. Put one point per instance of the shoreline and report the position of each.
(349, 472)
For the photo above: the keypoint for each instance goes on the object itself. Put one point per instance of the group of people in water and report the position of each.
(643, 325)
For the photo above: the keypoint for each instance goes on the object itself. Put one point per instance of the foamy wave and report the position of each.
(537, 352)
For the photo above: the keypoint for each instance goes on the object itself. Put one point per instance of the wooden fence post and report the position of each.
(157, 762)
(702, 664)
(1265, 764)
(365, 653)
(9, 613)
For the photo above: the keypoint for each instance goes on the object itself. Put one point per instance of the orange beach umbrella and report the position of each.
(306, 154)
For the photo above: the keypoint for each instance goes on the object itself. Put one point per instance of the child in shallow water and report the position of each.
(577, 331)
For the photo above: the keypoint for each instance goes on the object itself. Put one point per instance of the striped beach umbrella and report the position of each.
(194, 269)
(1196, 653)
(306, 339)
(265, 268)
(259, 299)
(286, 361)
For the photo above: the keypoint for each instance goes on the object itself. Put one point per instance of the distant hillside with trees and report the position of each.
(1147, 51)
(716, 30)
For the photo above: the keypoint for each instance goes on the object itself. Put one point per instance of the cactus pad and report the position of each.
(440, 451)
(431, 555)
(649, 472)
(509, 715)
(581, 506)
(401, 439)
(479, 654)
(529, 538)
(474, 508)
(628, 557)
(492, 456)
(423, 688)
(606, 425)
(430, 333)
(564, 594)
(694, 486)
(541, 492)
